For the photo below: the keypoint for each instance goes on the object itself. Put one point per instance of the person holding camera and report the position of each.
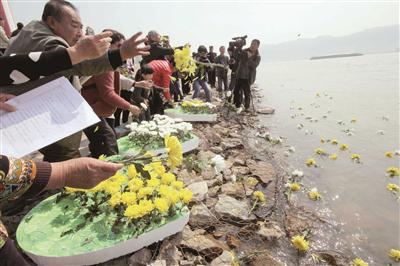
(249, 59)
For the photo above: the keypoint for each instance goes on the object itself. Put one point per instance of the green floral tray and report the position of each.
(40, 235)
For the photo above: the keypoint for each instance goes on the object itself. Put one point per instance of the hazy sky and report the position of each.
(215, 22)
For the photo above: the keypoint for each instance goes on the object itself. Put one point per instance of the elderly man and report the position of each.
(60, 28)
(157, 51)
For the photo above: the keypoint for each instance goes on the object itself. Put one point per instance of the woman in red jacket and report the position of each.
(102, 94)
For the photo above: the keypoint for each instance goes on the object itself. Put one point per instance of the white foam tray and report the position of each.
(120, 249)
(192, 117)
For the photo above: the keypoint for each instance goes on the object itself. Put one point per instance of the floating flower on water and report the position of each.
(294, 186)
(314, 194)
(356, 157)
(318, 95)
(393, 187)
(358, 262)
(334, 142)
(161, 205)
(258, 195)
(380, 132)
(320, 151)
(174, 149)
(394, 254)
(393, 171)
(291, 149)
(297, 173)
(310, 162)
(344, 147)
(353, 120)
(389, 154)
(322, 140)
(300, 243)
(333, 156)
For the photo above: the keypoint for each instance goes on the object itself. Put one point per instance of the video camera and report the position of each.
(234, 51)
(238, 42)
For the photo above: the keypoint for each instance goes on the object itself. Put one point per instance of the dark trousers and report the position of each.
(222, 80)
(211, 77)
(175, 90)
(102, 139)
(126, 95)
(10, 256)
(242, 87)
(186, 86)
(64, 149)
(232, 82)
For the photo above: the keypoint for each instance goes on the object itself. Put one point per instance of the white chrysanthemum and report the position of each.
(219, 163)
(297, 173)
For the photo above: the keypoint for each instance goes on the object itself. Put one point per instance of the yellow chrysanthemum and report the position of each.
(358, 262)
(389, 154)
(102, 157)
(115, 199)
(174, 149)
(394, 254)
(146, 206)
(294, 186)
(334, 142)
(300, 243)
(258, 195)
(344, 147)
(132, 171)
(161, 205)
(155, 169)
(319, 151)
(393, 187)
(185, 195)
(168, 178)
(133, 212)
(314, 194)
(128, 198)
(251, 181)
(310, 162)
(153, 182)
(393, 171)
(177, 184)
(144, 192)
(135, 184)
(333, 156)
(355, 156)
(184, 61)
(112, 188)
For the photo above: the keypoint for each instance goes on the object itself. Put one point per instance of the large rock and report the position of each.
(201, 216)
(199, 190)
(212, 136)
(228, 206)
(140, 258)
(265, 171)
(224, 260)
(233, 189)
(228, 144)
(205, 245)
(169, 251)
(270, 230)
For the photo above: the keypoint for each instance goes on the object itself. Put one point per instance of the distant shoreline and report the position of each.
(334, 56)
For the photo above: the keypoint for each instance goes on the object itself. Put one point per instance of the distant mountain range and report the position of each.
(375, 40)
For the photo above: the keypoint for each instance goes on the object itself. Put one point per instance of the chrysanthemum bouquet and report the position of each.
(141, 197)
(197, 107)
(152, 133)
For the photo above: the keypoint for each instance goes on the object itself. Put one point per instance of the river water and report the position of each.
(332, 93)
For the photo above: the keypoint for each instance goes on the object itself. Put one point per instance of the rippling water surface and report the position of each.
(331, 93)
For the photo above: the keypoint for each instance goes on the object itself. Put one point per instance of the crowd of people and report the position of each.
(101, 67)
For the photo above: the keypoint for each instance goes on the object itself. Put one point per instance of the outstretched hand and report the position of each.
(130, 48)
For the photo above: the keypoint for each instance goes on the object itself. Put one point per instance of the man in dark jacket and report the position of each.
(211, 71)
(245, 75)
(157, 51)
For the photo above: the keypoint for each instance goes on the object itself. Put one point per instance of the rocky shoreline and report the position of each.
(224, 226)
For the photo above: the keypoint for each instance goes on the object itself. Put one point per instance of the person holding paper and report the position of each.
(60, 28)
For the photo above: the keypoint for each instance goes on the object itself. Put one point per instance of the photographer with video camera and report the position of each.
(234, 50)
(248, 61)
